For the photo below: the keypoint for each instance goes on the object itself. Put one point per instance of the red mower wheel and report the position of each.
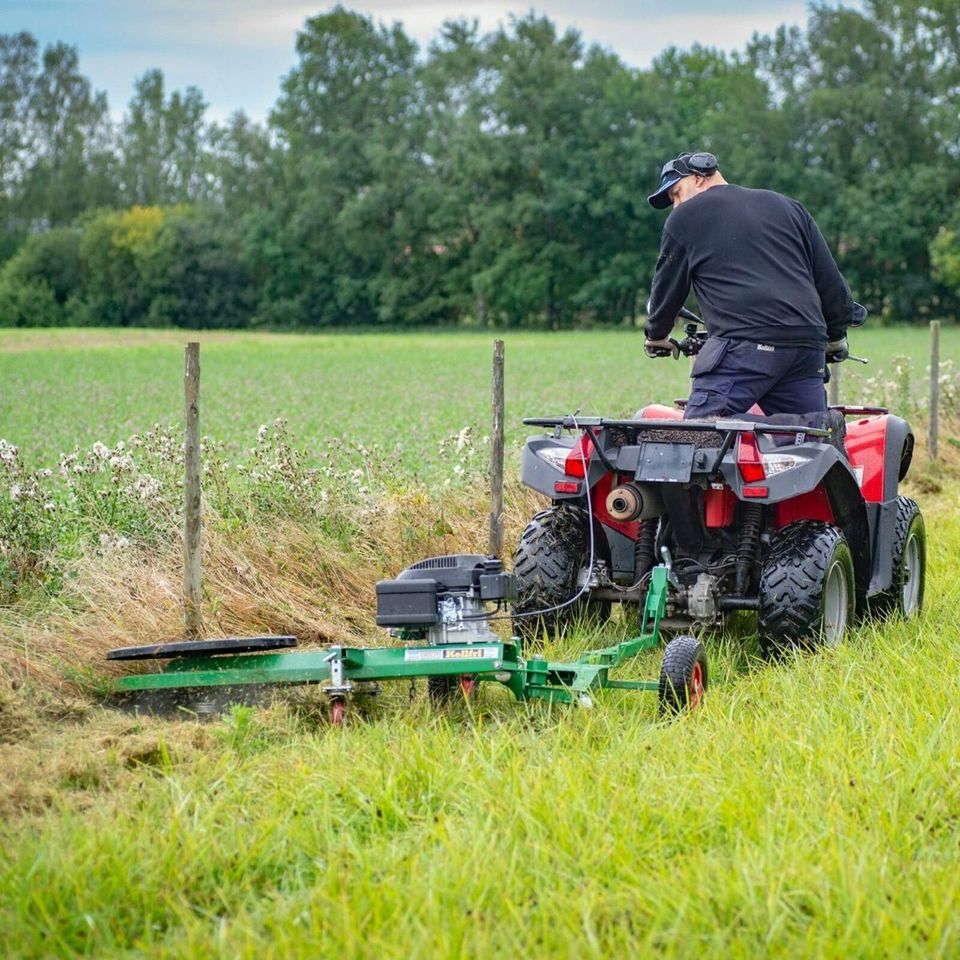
(696, 685)
(683, 675)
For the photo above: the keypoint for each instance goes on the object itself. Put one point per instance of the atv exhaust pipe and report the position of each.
(633, 501)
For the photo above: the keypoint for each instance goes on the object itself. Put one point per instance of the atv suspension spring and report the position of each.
(747, 547)
(644, 555)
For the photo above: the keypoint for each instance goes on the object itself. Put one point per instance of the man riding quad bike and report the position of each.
(800, 524)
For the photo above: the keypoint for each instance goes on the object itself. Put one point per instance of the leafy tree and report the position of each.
(55, 149)
(945, 256)
(161, 144)
(194, 273)
(342, 123)
(115, 249)
(241, 165)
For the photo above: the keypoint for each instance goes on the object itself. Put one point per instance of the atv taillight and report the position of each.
(748, 459)
(576, 463)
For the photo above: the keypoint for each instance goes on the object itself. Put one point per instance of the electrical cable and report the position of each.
(592, 555)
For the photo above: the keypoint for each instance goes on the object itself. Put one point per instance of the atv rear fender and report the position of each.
(542, 468)
(880, 449)
(821, 487)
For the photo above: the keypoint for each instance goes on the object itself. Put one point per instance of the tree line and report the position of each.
(495, 178)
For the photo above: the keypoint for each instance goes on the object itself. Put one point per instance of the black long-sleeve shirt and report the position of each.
(759, 267)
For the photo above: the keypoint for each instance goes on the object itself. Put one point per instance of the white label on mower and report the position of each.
(452, 653)
(858, 473)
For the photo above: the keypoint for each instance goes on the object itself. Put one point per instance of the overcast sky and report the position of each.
(236, 51)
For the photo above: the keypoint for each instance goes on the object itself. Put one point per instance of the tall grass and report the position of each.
(812, 808)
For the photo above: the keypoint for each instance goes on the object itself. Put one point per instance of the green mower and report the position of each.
(439, 612)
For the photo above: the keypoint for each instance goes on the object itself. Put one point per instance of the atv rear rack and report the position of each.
(719, 426)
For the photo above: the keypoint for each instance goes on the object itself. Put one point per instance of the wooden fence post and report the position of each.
(193, 624)
(496, 455)
(933, 437)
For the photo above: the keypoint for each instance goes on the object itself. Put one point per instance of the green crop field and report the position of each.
(62, 389)
(811, 808)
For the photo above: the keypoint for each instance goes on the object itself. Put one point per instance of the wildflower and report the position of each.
(65, 462)
(262, 432)
(111, 542)
(9, 455)
(147, 487)
(15, 492)
(50, 506)
(101, 451)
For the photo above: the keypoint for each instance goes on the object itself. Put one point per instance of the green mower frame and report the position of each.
(204, 684)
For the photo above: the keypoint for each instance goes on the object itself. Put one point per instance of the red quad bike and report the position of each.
(801, 525)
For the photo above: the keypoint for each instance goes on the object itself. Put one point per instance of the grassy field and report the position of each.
(63, 389)
(810, 809)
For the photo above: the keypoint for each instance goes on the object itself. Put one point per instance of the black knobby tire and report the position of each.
(905, 595)
(807, 588)
(553, 551)
(683, 675)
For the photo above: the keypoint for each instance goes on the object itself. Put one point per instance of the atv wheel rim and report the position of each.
(836, 605)
(912, 576)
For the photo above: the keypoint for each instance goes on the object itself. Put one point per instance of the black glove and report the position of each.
(667, 347)
(837, 350)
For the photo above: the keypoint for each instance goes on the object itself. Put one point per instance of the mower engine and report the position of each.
(444, 599)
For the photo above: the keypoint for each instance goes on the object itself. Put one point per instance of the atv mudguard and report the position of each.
(540, 475)
(824, 469)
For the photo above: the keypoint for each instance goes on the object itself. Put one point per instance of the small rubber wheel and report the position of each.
(338, 711)
(683, 675)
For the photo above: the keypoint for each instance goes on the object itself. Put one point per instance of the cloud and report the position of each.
(236, 51)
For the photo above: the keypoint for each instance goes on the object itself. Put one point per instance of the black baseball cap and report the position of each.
(672, 172)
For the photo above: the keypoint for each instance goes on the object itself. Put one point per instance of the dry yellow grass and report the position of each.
(283, 578)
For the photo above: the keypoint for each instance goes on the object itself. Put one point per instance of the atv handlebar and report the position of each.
(696, 335)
